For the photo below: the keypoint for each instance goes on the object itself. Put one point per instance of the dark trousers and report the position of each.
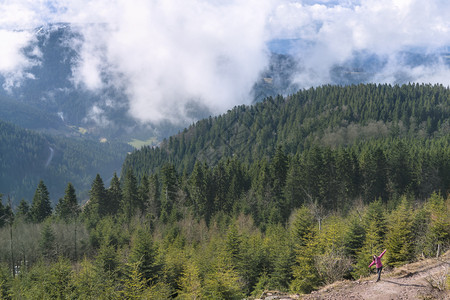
(379, 273)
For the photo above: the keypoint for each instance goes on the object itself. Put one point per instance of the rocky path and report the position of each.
(413, 281)
(420, 280)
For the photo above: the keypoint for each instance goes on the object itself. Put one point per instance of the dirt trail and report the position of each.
(411, 281)
(408, 282)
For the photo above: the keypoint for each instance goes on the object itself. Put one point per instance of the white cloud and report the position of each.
(338, 30)
(165, 54)
(97, 115)
(13, 63)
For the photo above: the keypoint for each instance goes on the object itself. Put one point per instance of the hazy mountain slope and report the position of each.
(51, 93)
(29, 116)
(27, 157)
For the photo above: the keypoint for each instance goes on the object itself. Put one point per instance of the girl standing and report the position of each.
(377, 262)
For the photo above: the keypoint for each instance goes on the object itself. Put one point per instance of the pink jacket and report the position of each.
(377, 261)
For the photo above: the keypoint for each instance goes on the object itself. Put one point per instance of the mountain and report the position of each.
(28, 157)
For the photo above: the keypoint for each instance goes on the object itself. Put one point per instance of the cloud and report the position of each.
(167, 56)
(338, 32)
(13, 62)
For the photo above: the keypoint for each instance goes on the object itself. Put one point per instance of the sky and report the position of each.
(167, 54)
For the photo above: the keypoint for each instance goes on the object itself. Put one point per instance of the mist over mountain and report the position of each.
(49, 99)
(285, 71)
(51, 96)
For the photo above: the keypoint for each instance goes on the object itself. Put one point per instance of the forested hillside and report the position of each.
(328, 116)
(28, 157)
(329, 145)
(289, 194)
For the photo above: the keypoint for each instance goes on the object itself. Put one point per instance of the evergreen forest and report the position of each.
(289, 194)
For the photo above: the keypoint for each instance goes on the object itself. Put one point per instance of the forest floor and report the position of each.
(424, 279)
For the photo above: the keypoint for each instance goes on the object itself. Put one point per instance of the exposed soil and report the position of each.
(420, 280)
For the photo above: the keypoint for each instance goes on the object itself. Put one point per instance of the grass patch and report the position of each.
(82, 130)
(140, 143)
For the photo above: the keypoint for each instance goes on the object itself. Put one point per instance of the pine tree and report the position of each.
(96, 207)
(278, 169)
(68, 208)
(143, 193)
(190, 283)
(41, 207)
(198, 191)
(114, 196)
(59, 283)
(302, 226)
(438, 233)
(399, 235)
(23, 211)
(355, 237)
(90, 283)
(233, 243)
(154, 199)
(107, 259)
(219, 189)
(223, 282)
(345, 173)
(169, 190)
(5, 283)
(293, 190)
(331, 261)
(130, 197)
(305, 276)
(399, 167)
(313, 178)
(143, 254)
(47, 242)
(133, 284)
(281, 257)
